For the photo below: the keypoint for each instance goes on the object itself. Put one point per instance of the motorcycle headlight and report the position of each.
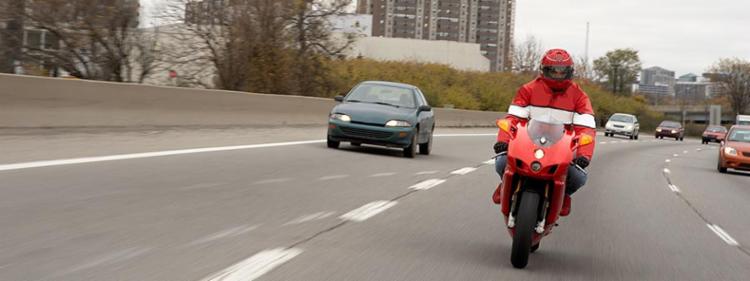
(341, 117)
(397, 123)
(730, 151)
(539, 154)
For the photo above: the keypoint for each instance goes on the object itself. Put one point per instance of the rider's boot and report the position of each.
(497, 196)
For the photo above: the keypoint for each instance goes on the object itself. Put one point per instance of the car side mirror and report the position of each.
(339, 98)
(425, 108)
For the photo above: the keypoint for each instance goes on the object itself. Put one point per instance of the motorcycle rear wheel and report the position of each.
(525, 222)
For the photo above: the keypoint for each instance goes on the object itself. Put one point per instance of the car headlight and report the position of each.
(730, 151)
(341, 117)
(658, 130)
(674, 131)
(397, 123)
(628, 127)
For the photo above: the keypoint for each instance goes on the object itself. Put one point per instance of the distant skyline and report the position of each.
(680, 35)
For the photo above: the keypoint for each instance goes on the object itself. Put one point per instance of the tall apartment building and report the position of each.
(487, 22)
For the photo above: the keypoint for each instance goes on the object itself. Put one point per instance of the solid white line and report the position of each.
(426, 173)
(425, 185)
(38, 164)
(674, 188)
(723, 235)
(464, 135)
(269, 181)
(255, 266)
(367, 211)
(334, 177)
(311, 217)
(464, 171)
(382, 175)
(235, 231)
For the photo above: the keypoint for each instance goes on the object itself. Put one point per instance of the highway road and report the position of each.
(652, 210)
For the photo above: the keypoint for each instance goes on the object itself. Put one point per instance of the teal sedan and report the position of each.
(383, 113)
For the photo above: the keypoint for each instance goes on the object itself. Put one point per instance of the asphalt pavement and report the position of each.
(307, 212)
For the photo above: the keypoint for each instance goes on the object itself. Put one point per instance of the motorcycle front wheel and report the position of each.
(526, 220)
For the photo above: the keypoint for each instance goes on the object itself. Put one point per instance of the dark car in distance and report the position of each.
(714, 133)
(670, 129)
(385, 114)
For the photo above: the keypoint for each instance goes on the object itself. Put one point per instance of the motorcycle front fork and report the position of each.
(541, 224)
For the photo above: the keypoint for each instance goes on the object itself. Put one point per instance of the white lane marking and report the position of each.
(367, 211)
(38, 164)
(232, 232)
(489, 162)
(310, 217)
(667, 171)
(255, 266)
(674, 188)
(698, 149)
(604, 142)
(723, 235)
(675, 155)
(667, 160)
(425, 185)
(426, 173)
(110, 259)
(464, 171)
(269, 181)
(382, 175)
(464, 135)
(334, 177)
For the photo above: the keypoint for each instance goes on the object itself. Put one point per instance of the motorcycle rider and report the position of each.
(553, 92)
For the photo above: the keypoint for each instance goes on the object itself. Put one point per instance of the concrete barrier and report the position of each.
(36, 102)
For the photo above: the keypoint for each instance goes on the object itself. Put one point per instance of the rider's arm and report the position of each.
(516, 112)
(584, 123)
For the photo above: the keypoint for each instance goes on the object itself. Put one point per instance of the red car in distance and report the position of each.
(714, 134)
(735, 150)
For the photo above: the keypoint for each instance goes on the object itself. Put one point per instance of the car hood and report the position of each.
(375, 113)
(624, 124)
(741, 146)
(714, 134)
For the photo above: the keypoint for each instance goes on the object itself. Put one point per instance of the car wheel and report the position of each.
(426, 148)
(682, 138)
(632, 137)
(411, 150)
(636, 136)
(333, 143)
(720, 168)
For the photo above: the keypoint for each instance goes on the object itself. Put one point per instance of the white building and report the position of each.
(462, 56)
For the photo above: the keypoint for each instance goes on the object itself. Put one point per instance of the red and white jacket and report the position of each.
(571, 106)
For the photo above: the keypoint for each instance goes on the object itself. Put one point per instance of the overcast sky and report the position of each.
(681, 35)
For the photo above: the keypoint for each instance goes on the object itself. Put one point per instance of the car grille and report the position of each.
(619, 126)
(373, 134)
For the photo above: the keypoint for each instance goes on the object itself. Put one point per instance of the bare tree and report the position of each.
(528, 55)
(733, 79)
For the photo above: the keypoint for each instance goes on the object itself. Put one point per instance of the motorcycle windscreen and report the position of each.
(545, 131)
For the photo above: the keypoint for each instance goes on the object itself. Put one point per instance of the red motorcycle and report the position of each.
(539, 154)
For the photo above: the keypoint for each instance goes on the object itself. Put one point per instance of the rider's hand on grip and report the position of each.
(500, 147)
(581, 161)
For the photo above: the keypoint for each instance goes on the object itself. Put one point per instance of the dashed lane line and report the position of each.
(425, 185)
(255, 266)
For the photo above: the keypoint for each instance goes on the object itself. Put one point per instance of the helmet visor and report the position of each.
(558, 73)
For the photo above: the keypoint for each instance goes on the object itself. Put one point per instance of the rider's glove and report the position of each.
(500, 147)
(581, 161)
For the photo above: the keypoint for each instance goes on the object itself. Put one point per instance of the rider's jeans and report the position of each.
(576, 177)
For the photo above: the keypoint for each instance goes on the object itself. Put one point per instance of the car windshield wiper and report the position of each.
(385, 103)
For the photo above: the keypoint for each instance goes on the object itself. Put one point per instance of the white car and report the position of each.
(622, 124)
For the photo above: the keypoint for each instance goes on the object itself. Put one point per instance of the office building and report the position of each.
(489, 23)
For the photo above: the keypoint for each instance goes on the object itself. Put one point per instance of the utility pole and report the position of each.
(586, 52)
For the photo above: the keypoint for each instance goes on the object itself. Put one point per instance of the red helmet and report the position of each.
(557, 68)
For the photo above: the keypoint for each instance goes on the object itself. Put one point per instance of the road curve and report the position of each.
(306, 212)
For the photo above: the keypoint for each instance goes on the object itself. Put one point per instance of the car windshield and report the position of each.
(622, 118)
(741, 135)
(545, 131)
(383, 94)
(717, 129)
(669, 124)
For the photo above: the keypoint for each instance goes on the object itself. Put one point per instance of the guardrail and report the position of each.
(40, 102)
